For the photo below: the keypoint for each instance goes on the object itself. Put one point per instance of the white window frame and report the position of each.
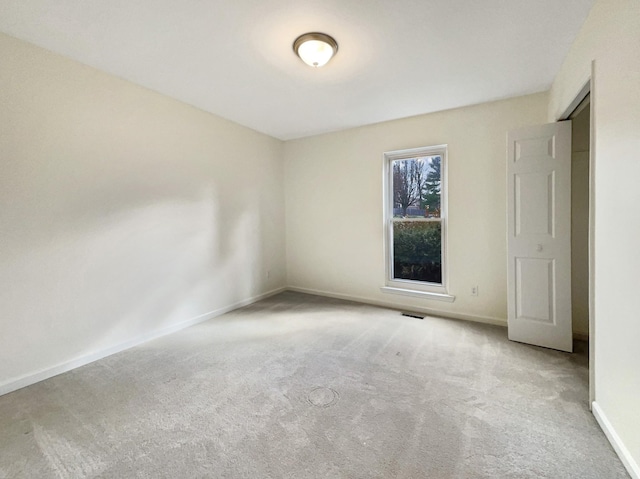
(407, 287)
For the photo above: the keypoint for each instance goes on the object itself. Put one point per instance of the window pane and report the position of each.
(417, 251)
(416, 187)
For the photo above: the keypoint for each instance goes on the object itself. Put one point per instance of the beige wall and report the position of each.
(580, 222)
(611, 38)
(122, 212)
(334, 205)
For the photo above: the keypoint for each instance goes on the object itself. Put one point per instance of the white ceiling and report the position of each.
(234, 58)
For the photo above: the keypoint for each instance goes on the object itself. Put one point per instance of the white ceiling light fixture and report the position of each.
(315, 49)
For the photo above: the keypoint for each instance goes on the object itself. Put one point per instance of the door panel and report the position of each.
(534, 196)
(539, 235)
(534, 289)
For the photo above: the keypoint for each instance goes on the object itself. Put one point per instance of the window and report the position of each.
(415, 218)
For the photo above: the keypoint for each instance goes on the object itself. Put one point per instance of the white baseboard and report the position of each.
(32, 378)
(403, 307)
(625, 456)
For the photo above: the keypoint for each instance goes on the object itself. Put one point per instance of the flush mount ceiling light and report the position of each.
(315, 49)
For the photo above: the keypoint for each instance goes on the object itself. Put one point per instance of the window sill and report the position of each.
(419, 294)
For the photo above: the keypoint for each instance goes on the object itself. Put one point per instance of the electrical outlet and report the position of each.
(268, 273)
(474, 290)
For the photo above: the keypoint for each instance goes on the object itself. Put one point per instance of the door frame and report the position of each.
(588, 88)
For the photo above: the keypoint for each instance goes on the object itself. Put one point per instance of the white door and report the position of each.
(539, 235)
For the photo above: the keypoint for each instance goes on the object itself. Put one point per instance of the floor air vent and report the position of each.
(413, 315)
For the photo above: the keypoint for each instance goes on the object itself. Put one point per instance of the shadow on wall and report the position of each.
(122, 212)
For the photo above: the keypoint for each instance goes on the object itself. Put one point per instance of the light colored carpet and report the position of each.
(299, 386)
